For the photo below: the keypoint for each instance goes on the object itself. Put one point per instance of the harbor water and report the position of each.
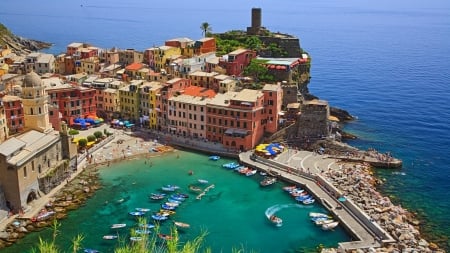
(233, 212)
(385, 62)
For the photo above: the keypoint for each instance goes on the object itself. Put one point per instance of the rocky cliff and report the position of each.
(20, 45)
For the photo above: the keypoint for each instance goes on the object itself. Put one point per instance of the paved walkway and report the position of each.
(299, 160)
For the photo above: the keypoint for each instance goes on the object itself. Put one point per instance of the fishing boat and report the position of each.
(166, 212)
(268, 181)
(181, 224)
(330, 226)
(302, 198)
(141, 209)
(177, 197)
(110, 237)
(157, 196)
(171, 200)
(263, 173)
(118, 225)
(170, 188)
(136, 213)
(214, 157)
(44, 216)
(276, 220)
(203, 181)
(173, 204)
(167, 207)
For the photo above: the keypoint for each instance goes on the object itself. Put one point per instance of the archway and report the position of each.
(31, 196)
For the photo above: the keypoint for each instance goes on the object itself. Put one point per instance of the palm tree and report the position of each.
(206, 28)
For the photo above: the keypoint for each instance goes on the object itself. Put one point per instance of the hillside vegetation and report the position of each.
(20, 45)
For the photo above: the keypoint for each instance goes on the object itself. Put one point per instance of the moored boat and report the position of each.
(159, 217)
(322, 222)
(157, 196)
(203, 181)
(317, 215)
(165, 236)
(231, 166)
(251, 173)
(135, 238)
(308, 201)
(330, 226)
(110, 237)
(136, 213)
(181, 224)
(170, 188)
(268, 181)
(91, 251)
(118, 225)
(214, 157)
(141, 209)
(142, 231)
(146, 226)
(167, 207)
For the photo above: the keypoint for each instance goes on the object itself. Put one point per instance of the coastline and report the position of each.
(354, 180)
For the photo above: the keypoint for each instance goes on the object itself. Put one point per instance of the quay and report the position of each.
(303, 168)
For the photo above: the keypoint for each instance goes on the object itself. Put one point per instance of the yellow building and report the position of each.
(89, 65)
(159, 56)
(130, 100)
(154, 90)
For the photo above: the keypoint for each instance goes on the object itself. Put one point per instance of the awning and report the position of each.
(236, 131)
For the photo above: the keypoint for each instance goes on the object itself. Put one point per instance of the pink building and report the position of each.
(273, 99)
(187, 112)
(235, 62)
(14, 114)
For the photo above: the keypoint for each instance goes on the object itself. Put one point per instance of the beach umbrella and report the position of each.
(342, 199)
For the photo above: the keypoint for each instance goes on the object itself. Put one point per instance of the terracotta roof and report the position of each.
(134, 66)
(196, 91)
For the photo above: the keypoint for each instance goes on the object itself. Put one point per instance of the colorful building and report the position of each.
(235, 62)
(14, 114)
(4, 131)
(159, 57)
(130, 100)
(273, 100)
(202, 79)
(129, 56)
(154, 91)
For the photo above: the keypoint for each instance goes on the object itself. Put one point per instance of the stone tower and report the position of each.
(35, 104)
(256, 27)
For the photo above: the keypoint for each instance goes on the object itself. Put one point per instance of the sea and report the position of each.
(386, 62)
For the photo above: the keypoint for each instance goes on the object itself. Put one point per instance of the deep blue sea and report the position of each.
(386, 62)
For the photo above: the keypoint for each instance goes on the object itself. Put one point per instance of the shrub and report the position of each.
(91, 138)
(73, 132)
(98, 134)
(82, 143)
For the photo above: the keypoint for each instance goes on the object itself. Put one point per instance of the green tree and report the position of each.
(253, 43)
(91, 138)
(98, 134)
(82, 143)
(73, 132)
(206, 28)
(258, 71)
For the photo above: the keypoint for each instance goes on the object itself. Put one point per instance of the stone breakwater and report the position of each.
(71, 197)
(357, 183)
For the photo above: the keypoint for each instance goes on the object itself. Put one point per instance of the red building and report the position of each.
(73, 101)
(235, 62)
(14, 114)
(205, 45)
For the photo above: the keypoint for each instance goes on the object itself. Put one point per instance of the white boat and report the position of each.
(181, 224)
(268, 181)
(317, 215)
(118, 225)
(330, 226)
(136, 213)
(322, 222)
(214, 157)
(251, 173)
(308, 201)
(135, 238)
(110, 237)
(142, 231)
(140, 209)
(146, 226)
(276, 220)
(203, 181)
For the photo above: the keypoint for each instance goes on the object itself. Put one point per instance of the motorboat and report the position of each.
(231, 166)
(276, 220)
(135, 238)
(318, 215)
(322, 222)
(179, 224)
(142, 231)
(141, 209)
(146, 226)
(330, 226)
(91, 251)
(214, 157)
(251, 173)
(157, 196)
(159, 217)
(170, 188)
(308, 201)
(203, 181)
(136, 213)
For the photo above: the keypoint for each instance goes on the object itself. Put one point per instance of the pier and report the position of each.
(303, 168)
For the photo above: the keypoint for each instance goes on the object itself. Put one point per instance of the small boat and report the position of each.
(302, 198)
(276, 220)
(203, 181)
(140, 209)
(308, 201)
(173, 204)
(251, 173)
(136, 213)
(195, 188)
(268, 181)
(146, 226)
(242, 169)
(166, 212)
(44, 216)
(322, 222)
(181, 224)
(171, 200)
(167, 207)
(177, 197)
(118, 225)
(159, 217)
(142, 231)
(157, 196)
(165, 236)
(170, 188)
(289, 188)
(135, 238)
(214, 157)
(263, 173)
(91, 251)
(110, 237)
(318, 215)
(330, 226)
(231, 166)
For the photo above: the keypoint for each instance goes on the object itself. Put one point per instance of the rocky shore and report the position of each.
(357, 182)
(20, 45)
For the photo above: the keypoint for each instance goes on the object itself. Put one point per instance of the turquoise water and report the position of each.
(233, 212)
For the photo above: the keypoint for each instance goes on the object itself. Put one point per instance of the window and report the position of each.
(25, 171)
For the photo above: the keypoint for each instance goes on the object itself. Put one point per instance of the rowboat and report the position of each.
(268, 181)
(91, 251)
(251, 173)
(170, 188)
(118, 225)
(136, 213)
(322, 222)
(110, 237)
(146, 226)
(308, 201)
(165, 236)
(276, 220)
(159, 217)
(214, 157)
(181, 224)
(142, 231)
(317, 215)
(203, 181)
(140, 209)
